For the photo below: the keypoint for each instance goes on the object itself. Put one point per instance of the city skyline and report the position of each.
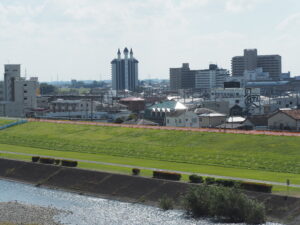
(77, 39)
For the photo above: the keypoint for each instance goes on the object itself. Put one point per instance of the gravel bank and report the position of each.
(20, 214)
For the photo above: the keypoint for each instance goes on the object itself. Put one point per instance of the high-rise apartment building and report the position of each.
(124, 71)
(213, 77)
(251, 60)
(182, 78)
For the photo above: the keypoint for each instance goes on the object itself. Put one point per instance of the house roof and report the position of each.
(212, 115)
(294, 113)
(235, 119)
(200, 111)
(131, 99)
(168, 106)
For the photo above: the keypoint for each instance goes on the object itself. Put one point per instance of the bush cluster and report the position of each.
(223, 203)
(259, 187)
(35, 158)
(166, 175)
(250, 186)
(69, 163)
(47, 160)
(136, 171)
(166, 203)
(210, 180)
(196, 179)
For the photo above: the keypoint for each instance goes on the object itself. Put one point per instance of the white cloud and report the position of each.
(291, 21)
(238, 6)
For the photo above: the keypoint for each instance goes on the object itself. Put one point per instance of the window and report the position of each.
(25, 98)
(237, 101)
(25, 91)
(186, 120)
(168, 121)
(291, 103)
(25, 85)
(179, 120)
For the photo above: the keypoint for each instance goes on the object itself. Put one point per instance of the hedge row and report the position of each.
(256, 187)
(166, 175)
(250, 186)
(43, 160)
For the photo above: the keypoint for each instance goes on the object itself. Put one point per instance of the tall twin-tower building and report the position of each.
(124, 71)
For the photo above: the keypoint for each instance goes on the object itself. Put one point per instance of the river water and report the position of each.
(86, 210)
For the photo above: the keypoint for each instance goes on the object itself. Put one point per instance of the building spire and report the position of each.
(131, 53)
(126, 53)
(119, 54)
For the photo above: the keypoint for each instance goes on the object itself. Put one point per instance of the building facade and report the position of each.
(251, 60)
(182, 78)
(19, 94)
(124, 72)
(213, 77)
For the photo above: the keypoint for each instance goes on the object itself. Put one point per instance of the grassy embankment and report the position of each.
(4, 121)
(271, 158)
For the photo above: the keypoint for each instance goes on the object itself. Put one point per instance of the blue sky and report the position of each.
(77, 39)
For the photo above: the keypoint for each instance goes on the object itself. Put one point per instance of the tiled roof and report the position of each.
(294, 113)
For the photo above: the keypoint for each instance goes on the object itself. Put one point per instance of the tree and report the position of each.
(47, 89)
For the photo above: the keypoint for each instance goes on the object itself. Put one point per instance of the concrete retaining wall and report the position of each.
(128, 188)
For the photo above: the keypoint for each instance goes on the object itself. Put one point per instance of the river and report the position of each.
(85, 210)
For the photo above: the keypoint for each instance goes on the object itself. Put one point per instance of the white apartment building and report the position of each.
(235, 96)
(19, 95)
(214, 77)
(82, 105)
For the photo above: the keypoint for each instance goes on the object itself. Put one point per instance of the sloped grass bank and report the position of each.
(257, 152)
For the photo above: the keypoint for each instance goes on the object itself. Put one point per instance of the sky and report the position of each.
(77, 39)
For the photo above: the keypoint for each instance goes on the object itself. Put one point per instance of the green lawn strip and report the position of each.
(192, 168)
(277, 189)
(282, 190)
(6, 121)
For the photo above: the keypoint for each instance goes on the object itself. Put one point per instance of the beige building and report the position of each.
(285, 119)
(211, 119)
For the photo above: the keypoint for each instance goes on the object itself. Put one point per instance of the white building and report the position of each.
(182, 119)
(208, 79)
(235, 96)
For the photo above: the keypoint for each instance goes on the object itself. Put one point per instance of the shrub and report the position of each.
(46, 160)
(166, 203)
(223, 203)
(136, 171)
(57, 161)
(195, 178)
(227, 183)
(259, 187)
(35, 158)
(166, 175)
(210, 180)
(119, 120)
(69, 163)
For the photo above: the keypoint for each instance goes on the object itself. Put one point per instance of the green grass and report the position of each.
(193, 168)
(6, 121)
(254, 152)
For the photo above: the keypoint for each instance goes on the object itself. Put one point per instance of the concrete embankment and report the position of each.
(128, 188)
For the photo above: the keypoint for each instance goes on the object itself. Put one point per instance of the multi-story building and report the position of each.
(124, 72)
(19, 94)
(182, 78)
(251, 60)
(213, 77)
